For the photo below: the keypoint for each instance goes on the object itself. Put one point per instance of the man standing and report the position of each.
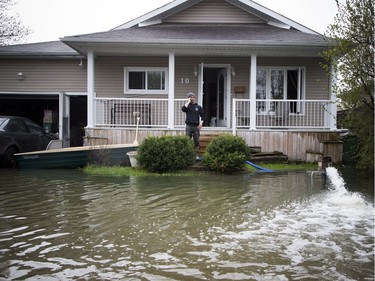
(194, 119)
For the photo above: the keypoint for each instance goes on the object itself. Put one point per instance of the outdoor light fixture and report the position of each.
(233, 71)
(195, 70)
(80, 63)
(20, 76)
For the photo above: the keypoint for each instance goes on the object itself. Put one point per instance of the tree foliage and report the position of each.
(351, 41)
(11, 28)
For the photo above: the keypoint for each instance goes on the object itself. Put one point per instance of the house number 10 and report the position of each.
(185, 80)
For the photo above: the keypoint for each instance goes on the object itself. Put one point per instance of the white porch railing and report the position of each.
(277, 114)
(270, 114)
(121, 112)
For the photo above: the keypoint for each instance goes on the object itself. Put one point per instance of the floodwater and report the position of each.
(65, 225)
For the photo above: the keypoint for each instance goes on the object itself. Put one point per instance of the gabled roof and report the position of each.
(202, 39)
(175, 27)
(210, 34)
(157, 16)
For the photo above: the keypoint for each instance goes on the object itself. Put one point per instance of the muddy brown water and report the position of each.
(65, 225)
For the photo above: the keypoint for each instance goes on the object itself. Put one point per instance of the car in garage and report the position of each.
(19, 134)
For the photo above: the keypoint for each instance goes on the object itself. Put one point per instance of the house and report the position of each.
(257, 74)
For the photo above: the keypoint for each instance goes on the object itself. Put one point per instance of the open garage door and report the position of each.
(35, 106)
(31, 106)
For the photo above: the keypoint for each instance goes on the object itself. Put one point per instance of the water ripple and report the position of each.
(64, 225)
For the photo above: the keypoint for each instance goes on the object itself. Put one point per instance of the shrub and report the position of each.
(226, 153)
(166, 153)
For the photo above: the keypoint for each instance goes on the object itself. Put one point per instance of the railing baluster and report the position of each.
(271, 114)
(283, 114)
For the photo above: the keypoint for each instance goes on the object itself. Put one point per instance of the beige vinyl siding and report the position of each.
(67, 76)
(43, 76)
(317, 83)
(109, 74)
(184, 72)
(213, 11)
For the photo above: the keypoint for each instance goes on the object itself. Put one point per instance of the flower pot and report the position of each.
(133, 158)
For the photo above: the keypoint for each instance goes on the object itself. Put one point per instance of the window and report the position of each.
(280, 84)
(16, 126)
(34, 128)
(150, 80)
(261, 90)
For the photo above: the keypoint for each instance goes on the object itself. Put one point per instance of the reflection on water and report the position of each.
(64, 225)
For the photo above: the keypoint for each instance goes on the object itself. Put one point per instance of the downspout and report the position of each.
(171, 76)
(252, 91)
(333, 106)
(90, 88)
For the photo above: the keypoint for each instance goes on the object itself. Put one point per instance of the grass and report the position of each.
(120, 171)
(280, 167)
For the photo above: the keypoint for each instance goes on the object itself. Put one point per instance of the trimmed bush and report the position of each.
(166, 153)
(226, 153)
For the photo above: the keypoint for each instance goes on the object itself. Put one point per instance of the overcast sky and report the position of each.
(50, 20)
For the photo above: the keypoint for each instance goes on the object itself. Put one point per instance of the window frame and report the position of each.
(146, 70)
(301, 87)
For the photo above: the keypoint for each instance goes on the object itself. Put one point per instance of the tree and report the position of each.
(11, 28)
(351, 52)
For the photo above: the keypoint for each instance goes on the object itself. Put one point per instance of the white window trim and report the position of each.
(145, 91)
(301, 94)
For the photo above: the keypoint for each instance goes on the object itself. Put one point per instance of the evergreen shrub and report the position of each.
(226, 153)
(166, 153)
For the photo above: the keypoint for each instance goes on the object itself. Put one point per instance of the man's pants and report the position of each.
(192, 131)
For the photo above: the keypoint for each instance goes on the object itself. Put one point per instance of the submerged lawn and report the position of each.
(119, 171)
(279, 167)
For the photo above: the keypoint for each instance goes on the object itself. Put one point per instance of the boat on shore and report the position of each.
(75, 157)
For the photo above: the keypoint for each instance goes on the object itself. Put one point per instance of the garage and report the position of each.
(46, 110)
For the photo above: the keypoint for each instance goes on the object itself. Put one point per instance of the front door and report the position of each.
(222, 99)
(215, 98)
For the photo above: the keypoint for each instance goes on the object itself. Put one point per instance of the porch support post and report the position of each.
(333, 106)
(171, 74)
(90, 88)
(252, 91)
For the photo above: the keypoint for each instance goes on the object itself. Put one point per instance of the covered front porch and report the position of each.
(245, 114)
(302, 130)
(275, 97)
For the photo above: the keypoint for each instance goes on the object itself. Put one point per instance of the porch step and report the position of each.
(204, 140)
(256, 152)
(269, 157)
(255, 149)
